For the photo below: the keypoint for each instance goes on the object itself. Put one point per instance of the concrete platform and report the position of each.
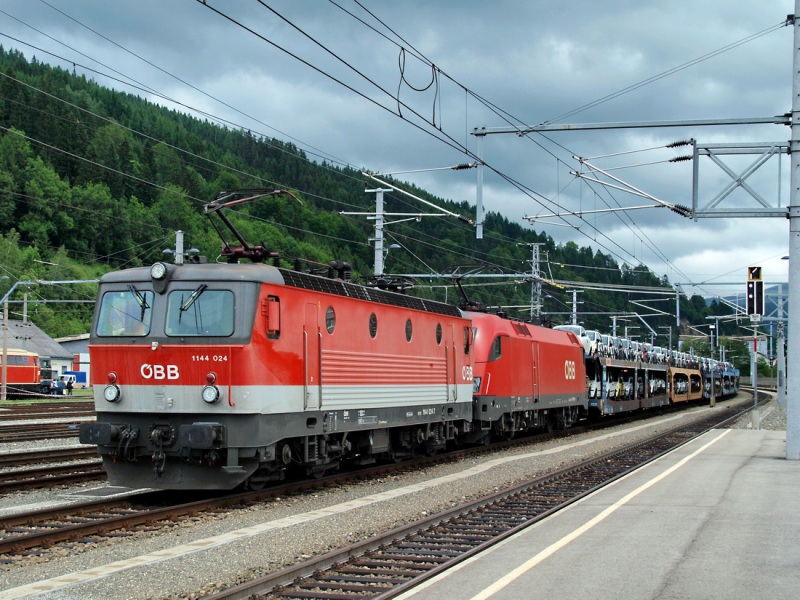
(717, 518)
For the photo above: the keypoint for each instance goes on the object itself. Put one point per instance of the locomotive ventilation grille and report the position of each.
(352, 290)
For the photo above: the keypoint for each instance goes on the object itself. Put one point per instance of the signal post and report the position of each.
(755, 308)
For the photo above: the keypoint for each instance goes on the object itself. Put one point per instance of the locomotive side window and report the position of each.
(438, 333)
(271, 309)
(373, 325)
(200, 312)
(330, 319)
(125, 313)
(497, 349)
(409, 330)
(467, 339)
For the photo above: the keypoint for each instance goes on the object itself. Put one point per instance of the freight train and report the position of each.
(218, 375)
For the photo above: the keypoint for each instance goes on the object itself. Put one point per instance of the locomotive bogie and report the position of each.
(226, 447)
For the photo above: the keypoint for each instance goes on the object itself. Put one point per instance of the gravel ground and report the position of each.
(252, 555)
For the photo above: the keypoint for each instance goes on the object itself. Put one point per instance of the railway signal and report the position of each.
(755, 291)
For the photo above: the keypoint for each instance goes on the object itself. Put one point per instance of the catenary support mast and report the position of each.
(793, 337)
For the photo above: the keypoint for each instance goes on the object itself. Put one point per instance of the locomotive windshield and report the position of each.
(125, 313)
(200, 312)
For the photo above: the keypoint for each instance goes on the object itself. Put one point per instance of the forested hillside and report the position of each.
(93, 179)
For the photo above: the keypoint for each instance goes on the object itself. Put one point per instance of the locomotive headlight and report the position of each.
(476, 385)
(210, 394)
(111, 393)
(158, 271)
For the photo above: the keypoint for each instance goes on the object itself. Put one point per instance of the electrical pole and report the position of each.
(575, 304)
(379, 215)
(793, 401)
(378, 239)
(5, 350)
(780, 351)
(536, 279)
(479, 189)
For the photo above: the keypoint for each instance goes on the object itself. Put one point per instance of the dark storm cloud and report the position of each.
(535, 60)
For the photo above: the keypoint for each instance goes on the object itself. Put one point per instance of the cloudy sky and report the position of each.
(352, 83)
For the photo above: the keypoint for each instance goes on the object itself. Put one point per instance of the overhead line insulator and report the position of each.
(682, 210)
(681, 143)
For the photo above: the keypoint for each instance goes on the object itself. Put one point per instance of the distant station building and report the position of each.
(78, 346)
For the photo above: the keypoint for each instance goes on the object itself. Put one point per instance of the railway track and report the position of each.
(41, 530)
(386, 566)
(81, 464)
(26, 432)
(45, 529)
(53, 455)
(31, 422)
(23, 479)
(21, 410)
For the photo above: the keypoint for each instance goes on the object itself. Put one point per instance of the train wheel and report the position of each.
(255, 485)
(318, 471)
(286, 454)
(504, 428)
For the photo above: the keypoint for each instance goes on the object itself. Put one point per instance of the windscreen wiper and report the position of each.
(140, 299)
(191, 299)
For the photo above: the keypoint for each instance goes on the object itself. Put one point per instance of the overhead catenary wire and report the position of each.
(525, 191)
(615, 254)
(668, 72)
(313, 150)
(195, 199)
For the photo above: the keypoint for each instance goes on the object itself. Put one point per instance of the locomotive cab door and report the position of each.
(312, 349)
(450, 360)
(535, 370)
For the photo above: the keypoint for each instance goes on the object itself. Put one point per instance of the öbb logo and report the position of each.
(569, 369)
(159, 371)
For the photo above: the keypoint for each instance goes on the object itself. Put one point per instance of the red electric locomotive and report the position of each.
(22, 373)
(208, 376)
(526, 377)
